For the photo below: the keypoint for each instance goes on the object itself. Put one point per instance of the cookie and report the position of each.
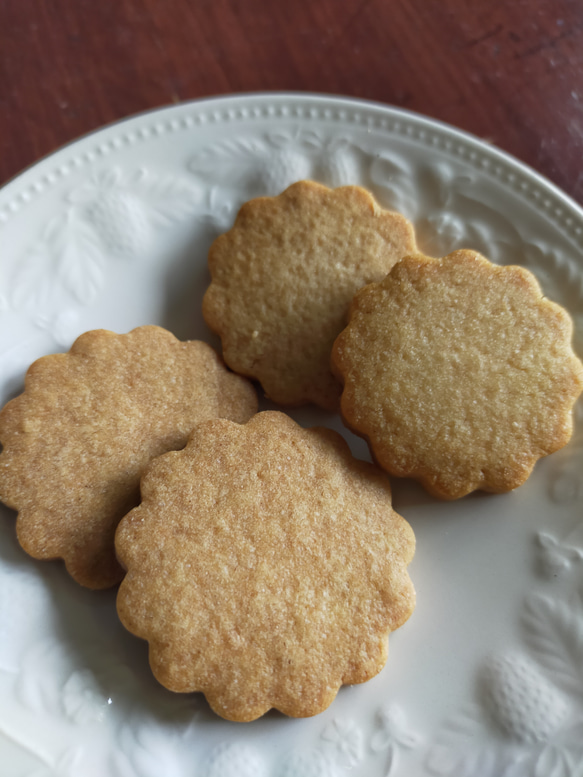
(76, 441)
(265, 567)
(458, 372)
(283, 278)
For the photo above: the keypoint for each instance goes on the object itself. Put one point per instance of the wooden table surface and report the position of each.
(511, 72)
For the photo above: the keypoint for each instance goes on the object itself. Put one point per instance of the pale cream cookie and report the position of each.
(283, 278)
(265, 567)
(76, 441)
(458, 372)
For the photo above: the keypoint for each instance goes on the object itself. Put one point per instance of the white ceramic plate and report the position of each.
(486, 678)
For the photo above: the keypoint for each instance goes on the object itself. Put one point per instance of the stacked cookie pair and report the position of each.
(263, 563)
(457, 371)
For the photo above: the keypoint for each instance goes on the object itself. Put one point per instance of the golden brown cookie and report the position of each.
(458, 372)
(283, 278)
(265, 567)
(76, 441)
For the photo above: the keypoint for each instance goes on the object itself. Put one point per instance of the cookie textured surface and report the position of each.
(78, 437)
(283, 278)
(265, 567)
(459, 373)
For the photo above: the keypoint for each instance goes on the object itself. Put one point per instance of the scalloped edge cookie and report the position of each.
(78, 437)
(458, 372)
(265, 567)
(283, 277)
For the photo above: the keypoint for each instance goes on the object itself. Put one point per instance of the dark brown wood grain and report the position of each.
(511, 72)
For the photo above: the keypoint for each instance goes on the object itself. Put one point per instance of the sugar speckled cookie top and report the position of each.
(76, 441)
(459, 372)
(266, 567)
(283, 278)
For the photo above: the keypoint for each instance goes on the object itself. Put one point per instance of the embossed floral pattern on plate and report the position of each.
(112, 232)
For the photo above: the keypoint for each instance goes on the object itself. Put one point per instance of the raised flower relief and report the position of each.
(447, 204)
(453, 214)
(148, 746)
(449, 232)
(555, 557)
(344, 740)
(393, 737)
(111, 217)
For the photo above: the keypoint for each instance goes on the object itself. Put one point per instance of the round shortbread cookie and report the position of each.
(458, 372)
(265, 567)
(76, 441)
(283, 278)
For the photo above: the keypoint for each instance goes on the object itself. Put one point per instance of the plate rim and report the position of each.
(351, 105)
(21, 199)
